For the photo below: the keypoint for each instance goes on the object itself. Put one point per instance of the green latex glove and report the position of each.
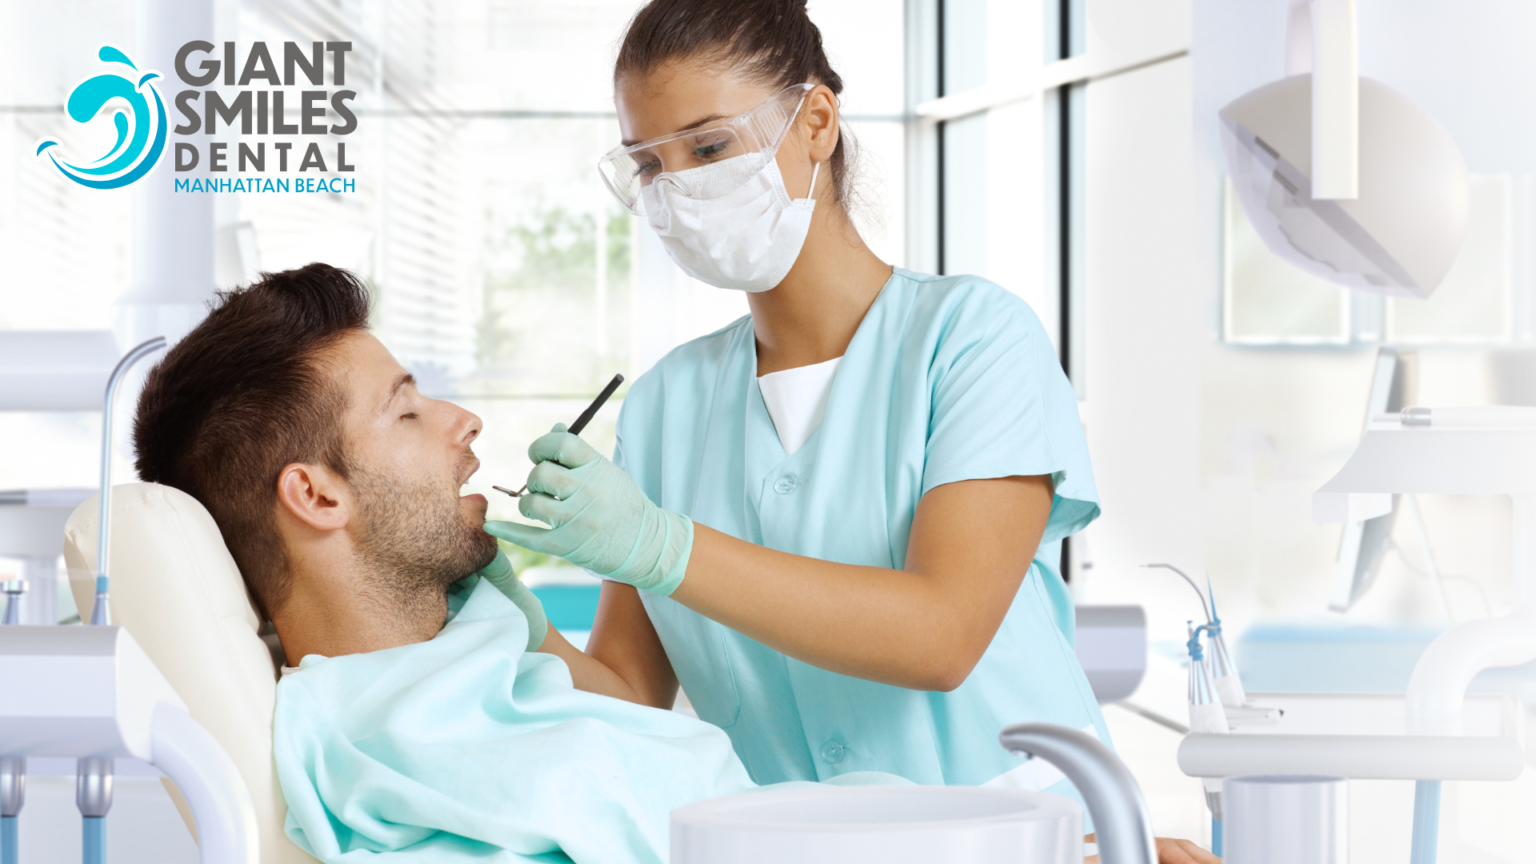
(499, 573)
(598, 517)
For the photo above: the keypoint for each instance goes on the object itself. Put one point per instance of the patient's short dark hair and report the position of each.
(244, 394)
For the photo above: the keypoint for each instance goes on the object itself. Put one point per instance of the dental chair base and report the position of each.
(92, 692)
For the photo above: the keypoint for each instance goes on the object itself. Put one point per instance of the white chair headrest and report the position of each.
(177, 590)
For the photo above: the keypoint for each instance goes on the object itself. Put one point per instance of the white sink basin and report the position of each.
(885, 824)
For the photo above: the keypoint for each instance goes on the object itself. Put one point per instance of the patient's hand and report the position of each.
(499, 573)
(587, 673)
(1168, 852)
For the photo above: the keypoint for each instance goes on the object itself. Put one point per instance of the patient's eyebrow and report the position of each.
(630, 142)
(403, 380)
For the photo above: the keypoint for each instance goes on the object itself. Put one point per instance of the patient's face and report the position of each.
(409, 456)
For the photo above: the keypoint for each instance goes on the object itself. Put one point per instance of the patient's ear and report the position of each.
(314, 495)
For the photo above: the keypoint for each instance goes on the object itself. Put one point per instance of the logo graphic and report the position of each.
(130, 158)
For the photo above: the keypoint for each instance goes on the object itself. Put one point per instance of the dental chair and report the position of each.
(176, 589)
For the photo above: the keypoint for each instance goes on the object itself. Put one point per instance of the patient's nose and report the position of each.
(468, 426)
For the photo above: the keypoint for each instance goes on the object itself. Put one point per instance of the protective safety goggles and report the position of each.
(758, 131)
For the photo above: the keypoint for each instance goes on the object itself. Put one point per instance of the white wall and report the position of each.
(1144, 311)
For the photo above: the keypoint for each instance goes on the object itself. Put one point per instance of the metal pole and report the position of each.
(1426, 822)
(93, 795)
(101, 615)
(173, 255)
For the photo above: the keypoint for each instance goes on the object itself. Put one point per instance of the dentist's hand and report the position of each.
(598, 517)
(499, 573)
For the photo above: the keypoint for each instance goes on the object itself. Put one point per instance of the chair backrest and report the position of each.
(177, 590)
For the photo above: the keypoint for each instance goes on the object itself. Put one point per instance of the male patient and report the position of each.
(418, 723)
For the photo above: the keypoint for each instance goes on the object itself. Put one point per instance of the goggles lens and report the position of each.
(759, 130)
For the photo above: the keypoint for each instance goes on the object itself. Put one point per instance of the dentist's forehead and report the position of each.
(680, 96)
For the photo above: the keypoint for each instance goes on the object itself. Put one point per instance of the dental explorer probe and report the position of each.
(580, 424)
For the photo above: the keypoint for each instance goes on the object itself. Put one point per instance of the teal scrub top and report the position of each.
(946, 379)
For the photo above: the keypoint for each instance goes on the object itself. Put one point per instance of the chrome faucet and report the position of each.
(1112, 794)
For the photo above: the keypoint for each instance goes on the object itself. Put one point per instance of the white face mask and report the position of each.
(746, 238)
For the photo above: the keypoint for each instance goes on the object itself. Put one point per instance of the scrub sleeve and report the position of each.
(1003, 408)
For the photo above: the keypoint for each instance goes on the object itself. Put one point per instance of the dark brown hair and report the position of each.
(772, 42)
(244, 394)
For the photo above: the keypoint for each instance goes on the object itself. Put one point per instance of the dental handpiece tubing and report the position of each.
(9, 841)
(93, 834)
(587, 415)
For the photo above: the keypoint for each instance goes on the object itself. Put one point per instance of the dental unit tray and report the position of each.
(92, 690)
(1363, 737)
(1434, 731)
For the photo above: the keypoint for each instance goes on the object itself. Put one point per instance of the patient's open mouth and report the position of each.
(469, 467)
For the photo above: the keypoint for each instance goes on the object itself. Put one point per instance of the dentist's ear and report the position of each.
(313, 495)
(819, 118)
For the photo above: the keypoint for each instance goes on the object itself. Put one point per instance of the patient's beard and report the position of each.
(415, 541)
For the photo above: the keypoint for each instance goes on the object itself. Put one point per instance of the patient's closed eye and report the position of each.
(410, 416)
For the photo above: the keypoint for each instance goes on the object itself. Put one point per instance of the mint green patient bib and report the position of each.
(466, 748)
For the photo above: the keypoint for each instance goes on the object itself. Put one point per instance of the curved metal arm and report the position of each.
(1205, 604)
(1113, 796)
(202, 770)
(99, 615)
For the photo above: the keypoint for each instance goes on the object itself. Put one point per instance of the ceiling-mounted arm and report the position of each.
(1298, 38)
(1335, 101)
(1321, 38)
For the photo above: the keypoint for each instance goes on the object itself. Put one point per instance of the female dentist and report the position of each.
(837, 521)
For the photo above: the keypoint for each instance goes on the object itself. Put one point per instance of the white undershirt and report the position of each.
(797, 400)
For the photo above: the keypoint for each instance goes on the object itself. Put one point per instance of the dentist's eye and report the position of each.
(648, 168)
(711, 150)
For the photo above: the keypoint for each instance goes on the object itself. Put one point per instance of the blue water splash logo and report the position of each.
(130, 158)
